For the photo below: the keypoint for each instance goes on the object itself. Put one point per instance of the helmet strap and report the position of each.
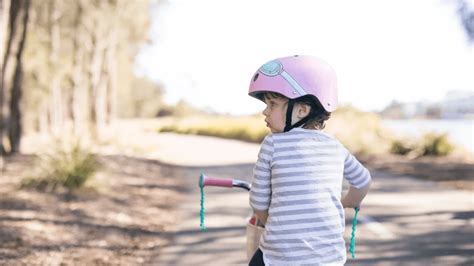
(301, 122)
(289, 112)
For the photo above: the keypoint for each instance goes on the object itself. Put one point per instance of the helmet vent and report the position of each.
(255, 77)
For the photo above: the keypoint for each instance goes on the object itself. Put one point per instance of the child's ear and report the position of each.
(303, 110)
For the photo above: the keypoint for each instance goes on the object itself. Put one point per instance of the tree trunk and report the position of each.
(112, 62)
(79, 94)
(112, 78)
(56, 107)
(96, 83)
(15, 127)
(4, 11)
(10, 83)
(101, 99)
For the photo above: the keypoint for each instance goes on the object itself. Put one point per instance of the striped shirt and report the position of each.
(298, 180)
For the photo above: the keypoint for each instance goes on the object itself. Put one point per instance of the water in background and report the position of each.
(460, 132)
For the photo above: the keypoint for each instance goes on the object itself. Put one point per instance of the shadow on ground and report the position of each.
(149, 214)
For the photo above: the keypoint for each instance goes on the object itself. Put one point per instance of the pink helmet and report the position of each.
(296, 76)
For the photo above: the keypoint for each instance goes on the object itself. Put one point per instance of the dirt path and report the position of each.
(223, 242)
(124, 220)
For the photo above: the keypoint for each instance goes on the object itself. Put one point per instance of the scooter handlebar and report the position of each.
(216, 182)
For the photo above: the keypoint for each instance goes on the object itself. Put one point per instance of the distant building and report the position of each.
(456, 105)
(398, 110)
(393, 111)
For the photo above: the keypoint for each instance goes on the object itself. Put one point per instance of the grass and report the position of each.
(360, 132)
(250, 129)
(430, 144)
(66, 168)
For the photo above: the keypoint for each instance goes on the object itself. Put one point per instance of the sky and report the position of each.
(206, 51)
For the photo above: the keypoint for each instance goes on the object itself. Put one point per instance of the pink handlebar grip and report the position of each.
(217, 182)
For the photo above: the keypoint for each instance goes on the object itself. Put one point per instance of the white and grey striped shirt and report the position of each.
(298, 179)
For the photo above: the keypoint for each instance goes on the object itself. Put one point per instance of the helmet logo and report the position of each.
(275, 68)
(271, 68)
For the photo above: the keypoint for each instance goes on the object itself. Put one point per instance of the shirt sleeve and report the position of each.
(261, 191)
(354, 172)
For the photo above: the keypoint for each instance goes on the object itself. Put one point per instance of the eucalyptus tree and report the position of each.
(13, 25)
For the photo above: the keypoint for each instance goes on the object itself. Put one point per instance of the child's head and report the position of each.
(298, 91)
(305, 107)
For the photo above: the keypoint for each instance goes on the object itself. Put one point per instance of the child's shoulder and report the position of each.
(311, 133)
(302, 133)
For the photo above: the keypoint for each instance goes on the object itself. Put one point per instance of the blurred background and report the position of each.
(88, 87)
(80, 66)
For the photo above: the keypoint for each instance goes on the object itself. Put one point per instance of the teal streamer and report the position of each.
(201, 212)
(354, 226)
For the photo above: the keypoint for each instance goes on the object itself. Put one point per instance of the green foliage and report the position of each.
(145, 99)
(360, 132)
(401, 147)
(81, 47)
(437, 144)
(466, 14)
(240, 128)
(430, 144)
(63, 168)
(181, 109)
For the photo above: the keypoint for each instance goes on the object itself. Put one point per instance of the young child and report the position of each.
(296, 190)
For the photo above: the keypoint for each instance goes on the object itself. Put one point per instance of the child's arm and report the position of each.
(262, 216)
(260, 194)
(354, 197)
(359, 179)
